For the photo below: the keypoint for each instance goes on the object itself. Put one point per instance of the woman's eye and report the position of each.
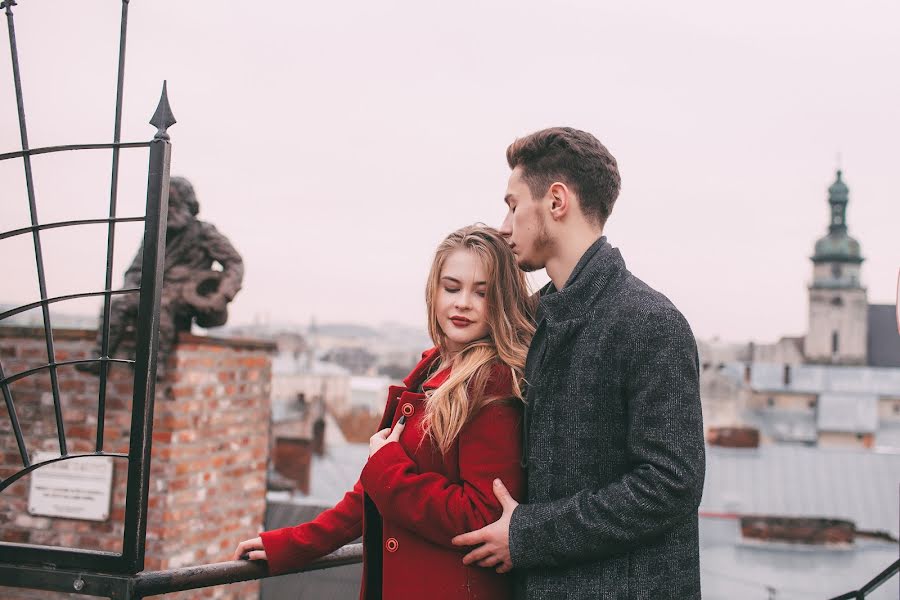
(451, 290)
(482, 294)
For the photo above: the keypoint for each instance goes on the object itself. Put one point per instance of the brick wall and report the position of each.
(209, 454)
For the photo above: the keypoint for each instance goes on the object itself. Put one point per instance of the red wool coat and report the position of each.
(410, 501)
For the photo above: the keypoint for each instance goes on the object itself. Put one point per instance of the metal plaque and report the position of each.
(79, 488)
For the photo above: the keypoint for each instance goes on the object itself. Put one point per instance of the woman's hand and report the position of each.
(252, 548)
(386, 436)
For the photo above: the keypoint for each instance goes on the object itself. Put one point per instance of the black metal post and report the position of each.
(38, 253)
(111, 234)
(147, 338)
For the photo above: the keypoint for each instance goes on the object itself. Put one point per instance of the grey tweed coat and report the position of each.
(613, 443)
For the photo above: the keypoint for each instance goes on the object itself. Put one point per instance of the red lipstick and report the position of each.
(460, 321)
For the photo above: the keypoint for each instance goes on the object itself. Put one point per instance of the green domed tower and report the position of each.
(838, 306)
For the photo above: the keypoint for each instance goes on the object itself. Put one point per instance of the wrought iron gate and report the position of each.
(34, 563)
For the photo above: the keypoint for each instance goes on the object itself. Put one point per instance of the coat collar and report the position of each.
(421, 370)
(598, 266)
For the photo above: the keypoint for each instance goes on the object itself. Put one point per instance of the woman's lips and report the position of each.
(460, 321)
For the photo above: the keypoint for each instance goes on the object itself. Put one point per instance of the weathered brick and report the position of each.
(204, 446)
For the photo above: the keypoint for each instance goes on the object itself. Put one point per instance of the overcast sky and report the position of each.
(336, 143)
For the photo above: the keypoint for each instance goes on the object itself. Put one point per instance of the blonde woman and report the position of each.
(447, 433)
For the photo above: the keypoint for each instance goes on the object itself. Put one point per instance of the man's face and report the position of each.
(524, 225)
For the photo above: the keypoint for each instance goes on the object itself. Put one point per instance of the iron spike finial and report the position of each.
(8, 4)
(163, 118)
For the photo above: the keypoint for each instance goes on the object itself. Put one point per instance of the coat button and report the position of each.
(407, 409)
(391, 544)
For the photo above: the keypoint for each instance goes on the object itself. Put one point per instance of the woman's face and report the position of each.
(461, 304)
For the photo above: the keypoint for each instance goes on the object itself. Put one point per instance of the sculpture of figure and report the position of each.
(191, 287)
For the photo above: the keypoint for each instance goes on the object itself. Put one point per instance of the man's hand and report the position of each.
(386, 436)
(494, 538)
(253, 549)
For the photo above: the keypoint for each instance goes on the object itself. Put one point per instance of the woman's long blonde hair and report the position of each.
(508, 314)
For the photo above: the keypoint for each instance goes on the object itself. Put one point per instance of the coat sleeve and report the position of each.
(437, 508)
(290, 548)
(664, 446)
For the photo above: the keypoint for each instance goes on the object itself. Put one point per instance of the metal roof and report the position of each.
(784, 425)
(733, 570)
(856, 413)
(337, 582)
(818, 379)
(332, 474)
(883, 348)
(800, 481)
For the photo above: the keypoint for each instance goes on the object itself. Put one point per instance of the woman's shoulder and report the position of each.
(499, 382)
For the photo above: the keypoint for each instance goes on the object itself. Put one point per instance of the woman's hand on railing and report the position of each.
(250, 550)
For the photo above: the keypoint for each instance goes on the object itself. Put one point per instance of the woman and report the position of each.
(447, 433)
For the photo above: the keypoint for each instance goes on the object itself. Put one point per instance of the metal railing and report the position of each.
(151, 583)
(870, 587)
(131, 559)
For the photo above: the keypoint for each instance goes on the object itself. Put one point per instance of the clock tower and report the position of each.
(838, 306)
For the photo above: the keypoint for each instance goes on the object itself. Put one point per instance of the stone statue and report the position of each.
(191, 287)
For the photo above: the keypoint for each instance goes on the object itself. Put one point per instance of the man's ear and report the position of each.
(561, 199)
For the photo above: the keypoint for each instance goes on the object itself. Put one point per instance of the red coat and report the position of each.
(410, 501)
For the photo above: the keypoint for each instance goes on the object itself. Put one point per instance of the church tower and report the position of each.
(838, 307)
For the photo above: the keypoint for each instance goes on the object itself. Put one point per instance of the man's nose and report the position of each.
(506, 227)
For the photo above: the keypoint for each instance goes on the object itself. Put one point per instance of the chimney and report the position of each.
(733, 437)
(318, 437)
(292, 459)
(799, 530)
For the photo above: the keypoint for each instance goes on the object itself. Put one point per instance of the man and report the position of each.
(613, 428)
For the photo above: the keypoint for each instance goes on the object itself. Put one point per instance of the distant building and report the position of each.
(838, 308)
(839, 385)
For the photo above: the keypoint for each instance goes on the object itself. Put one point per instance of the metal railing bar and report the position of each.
(53, 365)
(880, 578)
(69, 147)
(32, 208)
(871, 586)
(25, 307)
(150, 583)
(31, 467)
(111, 231)
(14, 420)
(93, 584)
(43, 226)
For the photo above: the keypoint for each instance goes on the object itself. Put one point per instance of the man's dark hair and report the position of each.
(573, 157)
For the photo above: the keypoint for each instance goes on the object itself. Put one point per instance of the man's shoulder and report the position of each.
(639, 307)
